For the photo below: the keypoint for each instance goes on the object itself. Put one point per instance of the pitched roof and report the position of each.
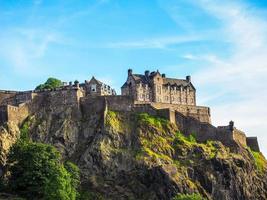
(140, 78)
(173, 81)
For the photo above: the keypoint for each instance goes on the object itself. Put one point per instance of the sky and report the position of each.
(222, 44)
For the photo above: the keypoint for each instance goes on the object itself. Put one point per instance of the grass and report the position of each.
(260, 161)
(194, 196)
(160, 123)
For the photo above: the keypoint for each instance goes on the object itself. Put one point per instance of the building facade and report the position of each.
(156, 87)
(95, 87)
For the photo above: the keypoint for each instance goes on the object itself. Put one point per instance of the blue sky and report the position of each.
(221, 44)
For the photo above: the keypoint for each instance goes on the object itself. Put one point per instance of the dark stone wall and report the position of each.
(3, 114)
(252, 142)
(6, 94)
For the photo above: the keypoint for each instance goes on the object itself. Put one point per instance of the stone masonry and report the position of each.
(153, 93)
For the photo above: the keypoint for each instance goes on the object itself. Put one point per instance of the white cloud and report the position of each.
(21, 48)
(243, 74)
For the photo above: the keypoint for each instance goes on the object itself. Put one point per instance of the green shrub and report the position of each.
(195, 196)
(36, 172)
(51, 83)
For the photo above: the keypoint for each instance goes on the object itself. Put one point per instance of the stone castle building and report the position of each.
(156, 87)
(153, 93)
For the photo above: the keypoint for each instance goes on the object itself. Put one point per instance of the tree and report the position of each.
(36, 172)
(51, 83)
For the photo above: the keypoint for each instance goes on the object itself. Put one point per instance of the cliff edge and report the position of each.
(128, 155)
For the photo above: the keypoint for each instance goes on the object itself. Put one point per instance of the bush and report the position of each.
(51, 83)
(188, 197)
(36, 172)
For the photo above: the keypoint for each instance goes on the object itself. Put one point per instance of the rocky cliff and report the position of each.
(124, 155)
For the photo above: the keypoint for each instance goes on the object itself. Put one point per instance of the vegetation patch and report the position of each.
(50, 83)
(116, 121)
(260, 161)
(195, 196)
(36, 171)
(146, 119)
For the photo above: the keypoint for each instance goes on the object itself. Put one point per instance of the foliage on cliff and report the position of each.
(36, 171)
(50, 83)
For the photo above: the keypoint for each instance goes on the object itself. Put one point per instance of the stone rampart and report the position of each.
(239, 136)
(5, 94)
(62, 97)
(16, 114)
(119, 102)
(198, 112)
(3, 114)
(252, 142)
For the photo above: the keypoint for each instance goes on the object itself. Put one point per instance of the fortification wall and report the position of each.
(206, 131)
(252, 142)
(19, 97)
(93, 107)
(119, 102)
(17, 114)
(198, 112)
(5, 94)
(3, 114)
(239, 137)
(60, 97)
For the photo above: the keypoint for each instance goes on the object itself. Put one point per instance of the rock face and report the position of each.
(125, 155)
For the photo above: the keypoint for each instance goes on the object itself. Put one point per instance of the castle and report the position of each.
(153, 93)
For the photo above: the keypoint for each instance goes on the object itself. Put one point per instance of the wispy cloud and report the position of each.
(243, 74)
(20, 48)
(156, 43)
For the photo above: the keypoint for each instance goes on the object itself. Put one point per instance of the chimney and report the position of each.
(130, 72)
(188, 79)
(163, 75)
(147, 73)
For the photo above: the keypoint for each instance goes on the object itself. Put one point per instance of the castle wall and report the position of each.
(198, 112)
(60, 97)
(19, 97)
(206, 131)
(3, 114)
(239, 137)
(17, 114)
(4, 94)
(119, 103)
(252, 142)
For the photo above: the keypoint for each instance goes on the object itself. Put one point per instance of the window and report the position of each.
(93, 88)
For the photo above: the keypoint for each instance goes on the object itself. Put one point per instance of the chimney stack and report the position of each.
(188, 79)
(147, 73)
(130, 72)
